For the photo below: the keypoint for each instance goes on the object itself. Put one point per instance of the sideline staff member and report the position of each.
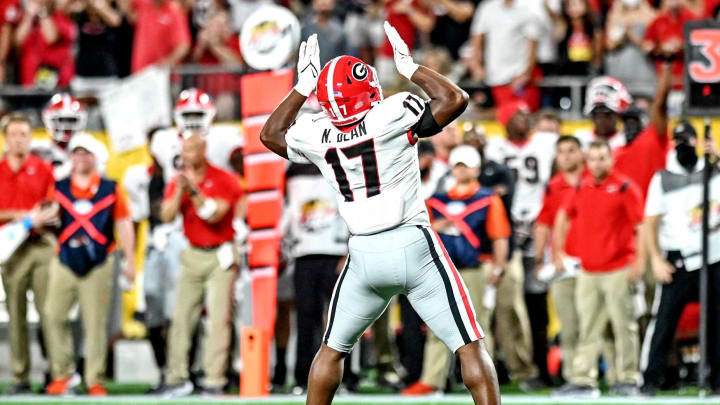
(91, 208)
(607, 210)
(25, 181)
(673, 218)
(207, 198)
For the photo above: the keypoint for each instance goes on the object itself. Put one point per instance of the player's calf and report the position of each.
(325, 376)
(478, 373)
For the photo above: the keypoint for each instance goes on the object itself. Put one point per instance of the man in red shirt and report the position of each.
(664, 37)
(606, 210)
(217, 44)
(646, 150)
(207, 198)
(162, 34)
(25, 181)
(569, 160)
(45, 36)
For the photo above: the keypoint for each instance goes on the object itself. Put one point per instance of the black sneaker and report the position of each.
(648, 390)
(625, 390)
(18, 389)
(576, 390)
(156, 390)
(532, 384)
(212, 391)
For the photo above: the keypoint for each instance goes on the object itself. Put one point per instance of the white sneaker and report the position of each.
(182, 389)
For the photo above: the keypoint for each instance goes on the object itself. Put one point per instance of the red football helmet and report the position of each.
(64, 116)
(346, 90)
(194, 110)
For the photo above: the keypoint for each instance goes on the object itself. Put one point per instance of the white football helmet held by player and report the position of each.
(64, 116)
(194, 110)
(607, 92)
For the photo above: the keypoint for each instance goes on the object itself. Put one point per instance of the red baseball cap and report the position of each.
(508, 110)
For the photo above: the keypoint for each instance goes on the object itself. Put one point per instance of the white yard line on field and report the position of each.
(358, 399)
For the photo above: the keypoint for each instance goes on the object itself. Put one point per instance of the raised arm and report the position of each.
(273, 132)
(658, 109)
(447, 100)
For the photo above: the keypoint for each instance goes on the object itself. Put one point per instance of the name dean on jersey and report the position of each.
(357, 132)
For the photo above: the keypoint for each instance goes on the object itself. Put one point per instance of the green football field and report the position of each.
(452, 399)
(130, 394)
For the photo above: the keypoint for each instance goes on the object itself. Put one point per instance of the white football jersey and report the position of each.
(222, 141)
(136, 182)
(373, 169)
(531, 162)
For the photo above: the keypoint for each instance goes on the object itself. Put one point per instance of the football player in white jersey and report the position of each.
(529, 156)
(64, 117)
(195, 110)
(365, 147)
(606, 98)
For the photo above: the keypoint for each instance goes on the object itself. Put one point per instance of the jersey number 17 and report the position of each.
(366, 152)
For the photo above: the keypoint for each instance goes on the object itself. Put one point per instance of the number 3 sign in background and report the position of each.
(702, 68)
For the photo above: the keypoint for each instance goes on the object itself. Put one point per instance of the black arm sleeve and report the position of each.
(426, 125)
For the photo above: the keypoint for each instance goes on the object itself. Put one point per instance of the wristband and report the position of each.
(497, 271)
(27, 222)
(408, 69)
(208, 209)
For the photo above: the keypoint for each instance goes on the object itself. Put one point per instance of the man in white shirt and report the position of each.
(673, 217)
(504, 41)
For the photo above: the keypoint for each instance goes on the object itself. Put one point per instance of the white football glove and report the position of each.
(308, 66)
(401, 53)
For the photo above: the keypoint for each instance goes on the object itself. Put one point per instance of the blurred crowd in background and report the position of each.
(500, 49)
(628, 53)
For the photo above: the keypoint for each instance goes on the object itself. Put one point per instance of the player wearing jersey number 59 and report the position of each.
(365, 146)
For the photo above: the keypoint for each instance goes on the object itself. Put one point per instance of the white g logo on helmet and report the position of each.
(359, 71)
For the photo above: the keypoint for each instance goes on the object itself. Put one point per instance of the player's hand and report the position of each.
(709, 147)
(519, 82)
(662, 270)
(636, 270)
(440, 224)
(477, 71)
(183, 182)
(308, 66)
(129, 270)
(536, 269)
(495, 277)
(401, 53)
(43, 216)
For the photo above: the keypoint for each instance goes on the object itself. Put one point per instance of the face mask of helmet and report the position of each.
(64, 127)
(193, 120)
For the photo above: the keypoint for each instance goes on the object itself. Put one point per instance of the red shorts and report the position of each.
(505, 94)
